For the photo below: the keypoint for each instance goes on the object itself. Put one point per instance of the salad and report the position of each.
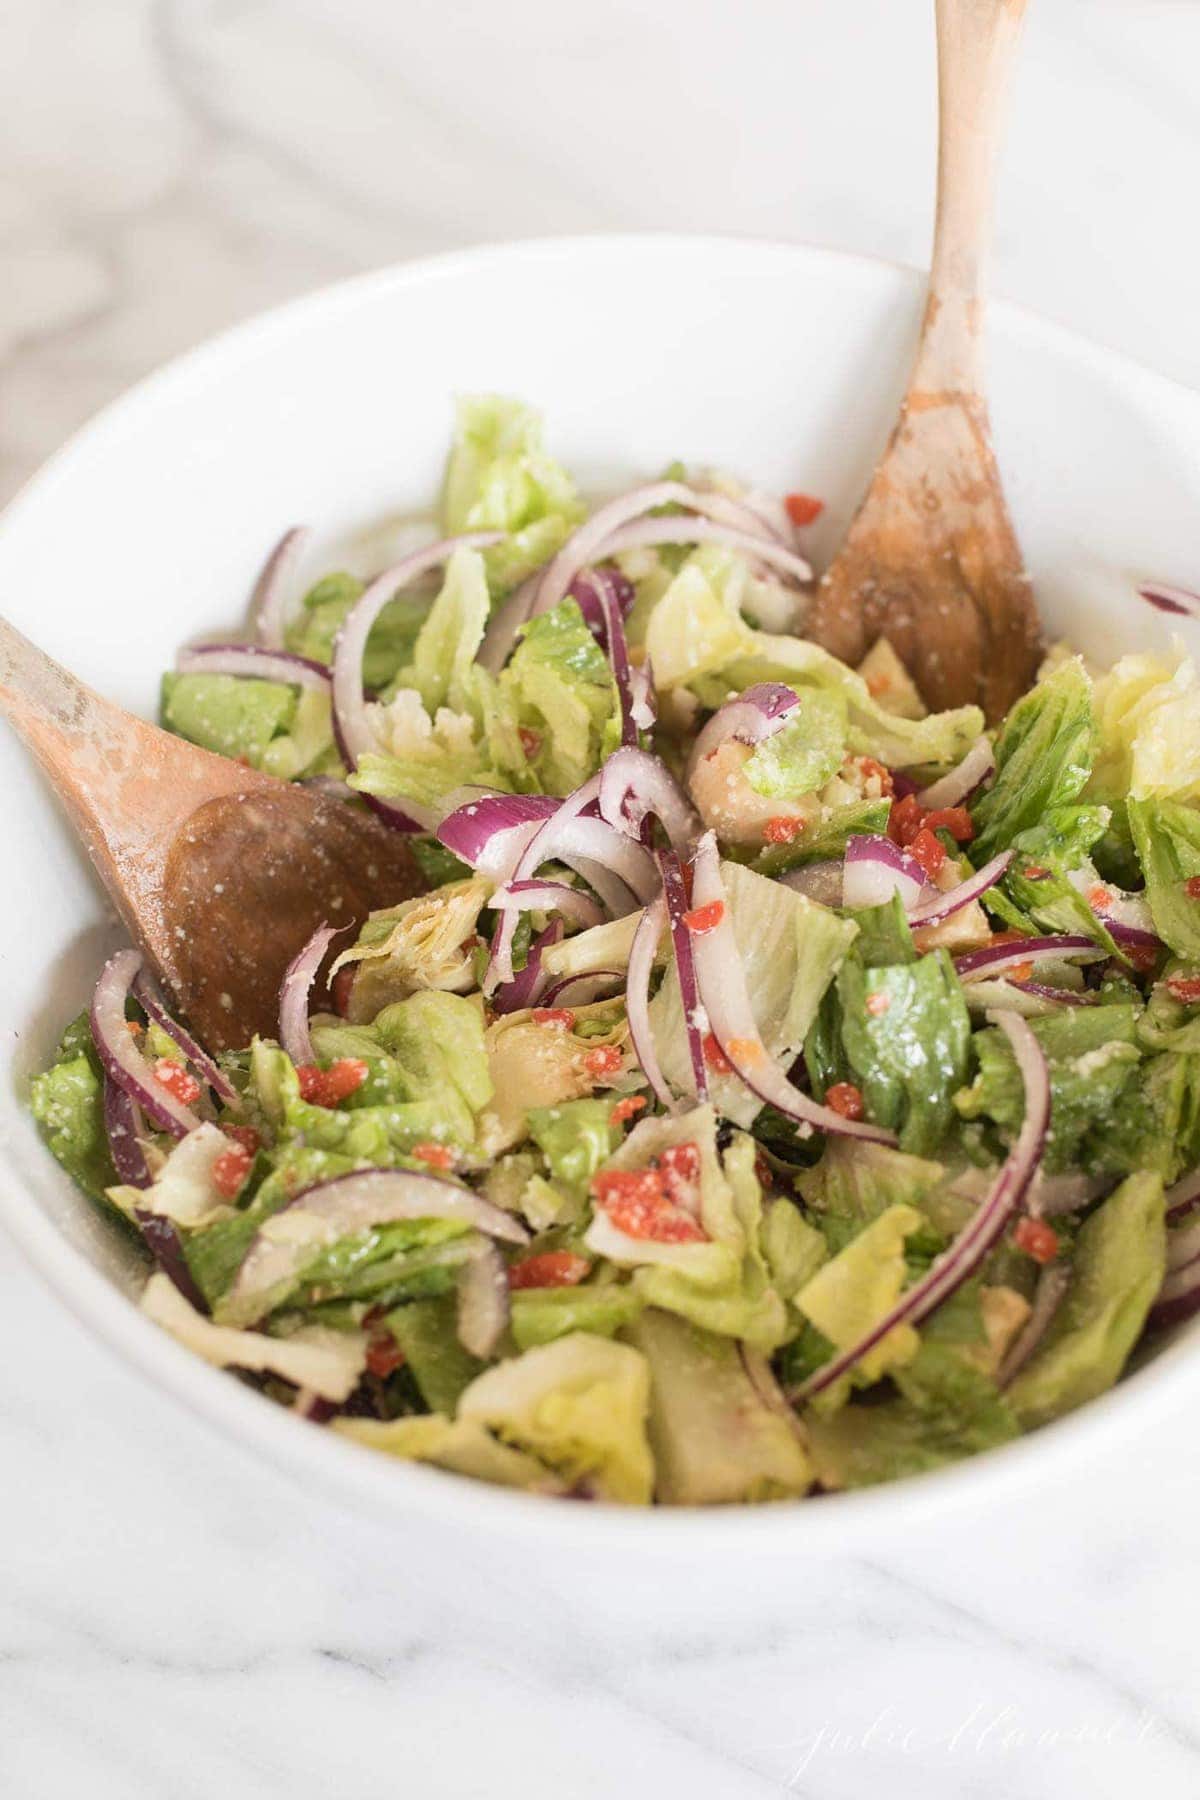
(779, 1089)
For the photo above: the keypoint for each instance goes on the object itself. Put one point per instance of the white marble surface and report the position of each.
(176, 1620)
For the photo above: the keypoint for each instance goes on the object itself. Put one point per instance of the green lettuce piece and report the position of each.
(1166, 835)
(715, 1439)
(438, 1040)
(500, 478)
(1117, 1268)
(427, 1333)
(459, 1445)
(443, 669)
(559, 684)
(826, 837)
(885, 938)
(307, 748)
(792, 1249)
(805, 752)
(215, 1253)
(1148, 713)
(67, 1100)
(231, 714)
(852, 1292)
(539, 1315)
(855, 1183)
(790, 950)
(579, 1405)
(1156, 1126)
(906, 1034)
(576, 1138)
(1093, 1057)
(949, 1410)
(1044, 756)
(313, 630)
(385, 1264)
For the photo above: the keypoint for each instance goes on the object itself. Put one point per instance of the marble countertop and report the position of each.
(178, 1620)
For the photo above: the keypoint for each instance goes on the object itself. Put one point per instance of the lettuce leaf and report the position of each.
(500, 478)
(459, 1445)
(803, 755)
(856, 1289)
(427, 1333)
(229, 714)
(67, 1100)
(1117, 1268)
(1148, 714)
(1044, 757)
(559, 684)
(576, 1138)
(854, 1183)
(1166, 835)
(906, 1034)
(540, 1315)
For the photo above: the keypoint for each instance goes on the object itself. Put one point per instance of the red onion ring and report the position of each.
(581, 990)
(268, 601)
(985, 1227)
(294, 991)
(165, 1245)
(1176, 600)
(618, 650)
(875, 869)
(685, 966)
(123, 1061)
(254, 661)
(1048, 1296)
(122, 1131)
(548, 896)
(932, 912)
(642, 953)
(526, 987)
(721, 980)
(649, 534)
(755, 715)
(1063, 996)
(149, 997)
(962, 781)
(490, 833)
(483, 1302)
(505, 627)
(1184, 1196)
(634, 784)
(993, 959)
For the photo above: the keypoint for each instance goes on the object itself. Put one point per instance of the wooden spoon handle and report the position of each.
(977, 42)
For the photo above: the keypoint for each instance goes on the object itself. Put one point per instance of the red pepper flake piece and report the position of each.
(954, 819)
(604, 1060)
(746, 1050)
(549, 1269)
(246, 1135)
(531, 741)
(384, 1355)
(703, 919)
(1099, 897)
(1141, 957)
(1185, 988)
(929, 851)
(626, 1109)
(870, 769)
(1036, 1239)
(177, 1081)
(782, 830)
(230, 1170)
(312, 1083)
(904, 820)
(133, 1028)
(1035, 871)
(438, 1156)
(878, 1004)
(1191, 887)
(802, 509)
(325, 1087)
(844, 1098)
(635, 1201)
(714, 1056)
(561, 1016)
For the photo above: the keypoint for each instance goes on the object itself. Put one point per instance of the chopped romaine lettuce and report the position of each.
(230, 714)
(851, 1293)
(805, 752)
(67, 1100)
(1167, 838)
(459, 1445)
(500, 478)
(906, 1033)
(1044, 756)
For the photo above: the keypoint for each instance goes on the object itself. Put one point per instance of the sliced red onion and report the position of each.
(582, 842)
(122, 1130)
(255, 661)
(617, 647)
(591, 585)
(721, 981)
(1052, 1285)
(1041, 990)
(591, 542)
(642, 953)
(756, 714)
(165, 1245)
(1126, 917)
(1176, 600)
(294, 991)
(1184, 1197)
(649, 534)
(483, 1303)
(505, 627)
(635, 784)
(548, 896)
(1182, 1302)
(347, 1204)
(994, 959)
(932, 912)
(819, 881)
(268, 602)
(490, 833)
(685, 966)
(644, 705)
(985, 1227)
(123, 1061)
(351, 725)
(875, 869)
(1132, 936)
(755, 512)
(963, 780)
(527, 985)
(581, 990)
(149, 997)
(1183, 1246)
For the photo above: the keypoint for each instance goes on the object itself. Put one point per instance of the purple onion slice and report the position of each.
(962, 781)
(1180, 602)
(122, 1128)
(548, 896)
(685, 966)
(994, 959)
(875, 869)
(123, 1061)
(527, 985)
(294, 993)
(642, 953)
(985, 1227)
(755, 715)
(633, 785)
(253, 660)
(1052, 1285)
(932, 912)
(149, 997)
(483, 1302)
(268, 601)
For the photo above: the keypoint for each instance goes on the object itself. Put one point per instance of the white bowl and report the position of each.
(780, 362)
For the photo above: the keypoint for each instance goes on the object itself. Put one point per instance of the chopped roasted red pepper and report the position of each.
(703, 919)
(246, 1135)
(1191, 887)
(802, 509)
(636, 1202)
(904, 820)
(384, 1355)
(878, 1004)
(177, 1081)
(714, 1056)
(871, 770)
(438, 1156)
(551, 1268)
(782, 830)
(627, 1109)
(553, 1015)
(1185, 988)
(929, 851)
(843, 1097)
(230, 1170)
(531, 741)
(1036, 1239)
(339, 989)
(325, 1087)
(954, 819)
(605, 1059)
(679, 1165)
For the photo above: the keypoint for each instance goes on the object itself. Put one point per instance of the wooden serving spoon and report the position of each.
(931, 560)
(220, 873)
